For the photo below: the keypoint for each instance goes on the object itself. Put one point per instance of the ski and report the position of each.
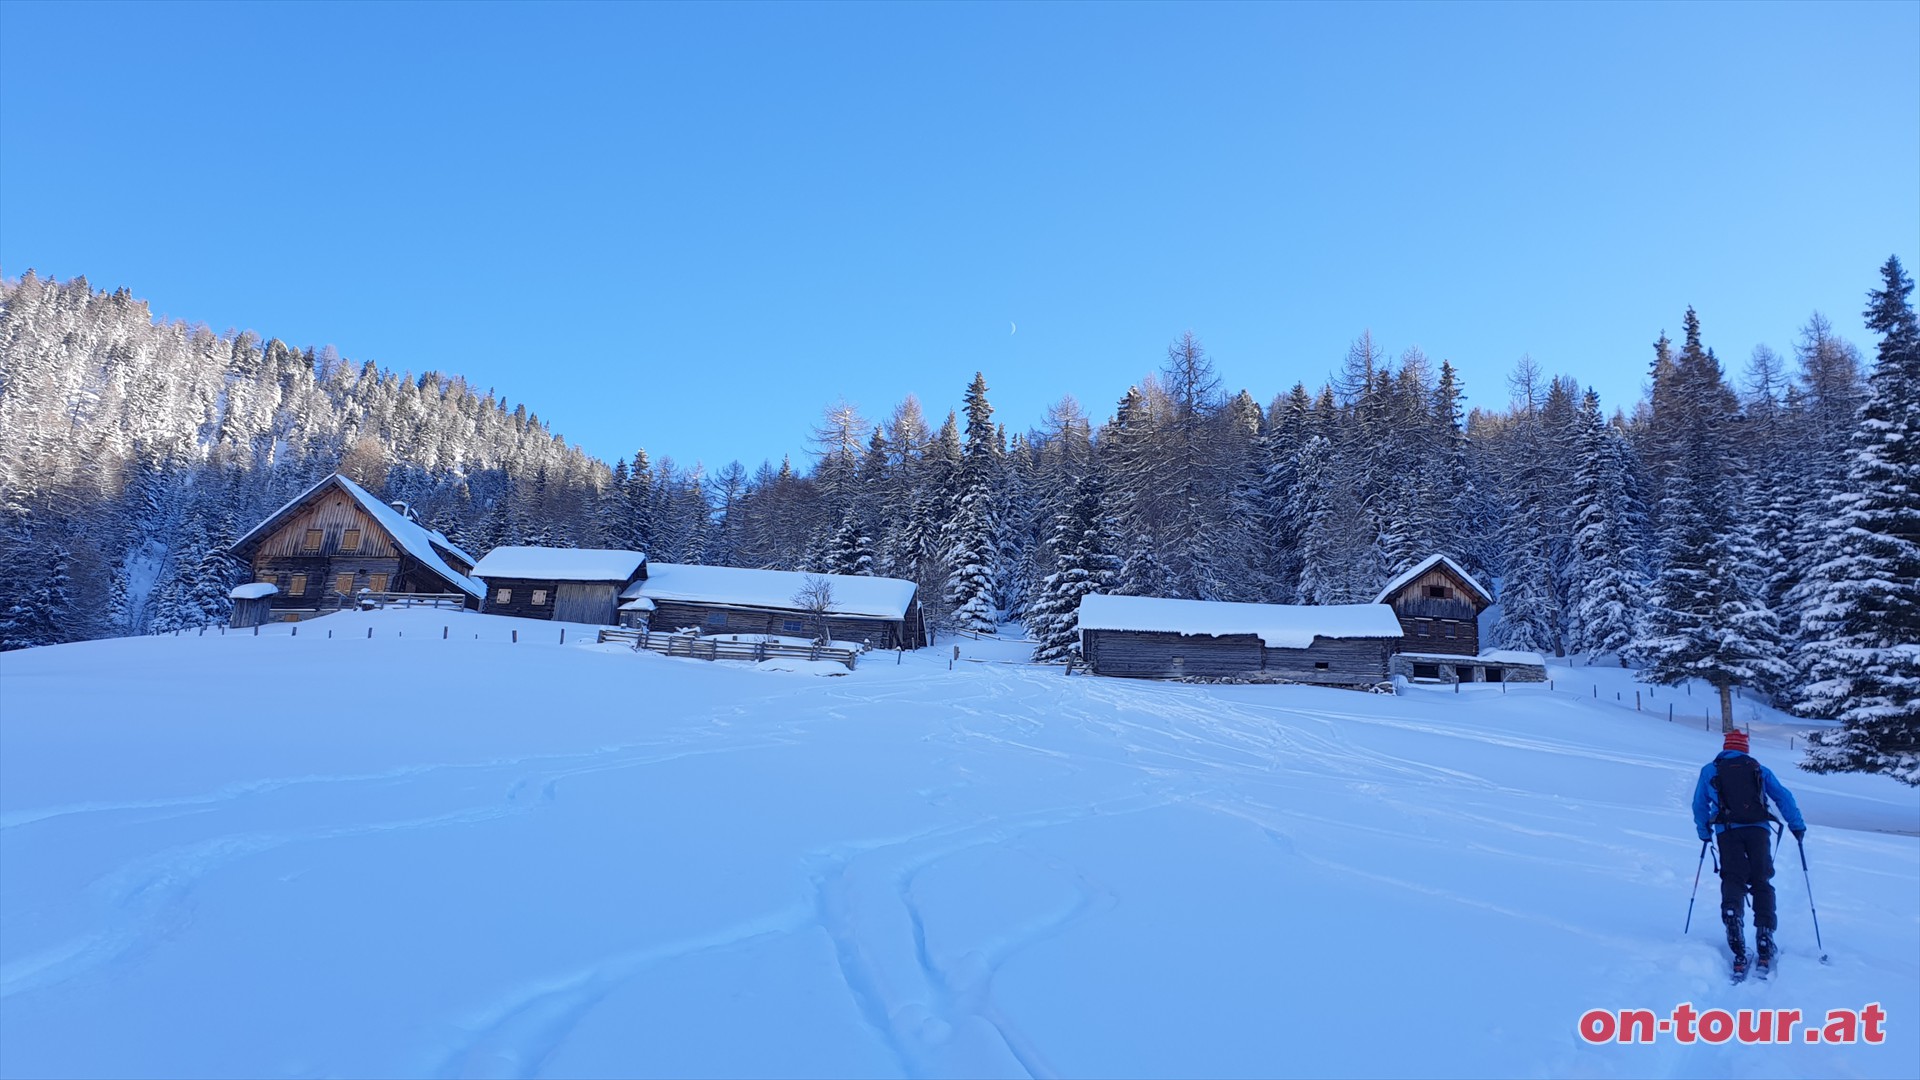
(1739, 974)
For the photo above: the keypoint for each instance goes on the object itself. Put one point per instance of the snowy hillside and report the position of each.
(462, 856)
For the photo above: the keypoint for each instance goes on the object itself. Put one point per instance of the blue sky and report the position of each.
(690, 228)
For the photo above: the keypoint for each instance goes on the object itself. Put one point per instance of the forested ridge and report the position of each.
(1758, 528)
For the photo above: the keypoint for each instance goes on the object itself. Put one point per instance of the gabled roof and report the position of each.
(1427, 564)
(735, 586)
(408, 535)
(1280, 626)
(560, 564)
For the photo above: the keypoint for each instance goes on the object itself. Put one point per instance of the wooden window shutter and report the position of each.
(299, 586)
(313, 540)
(377, 582)
(503, 596)
(539, 597)
(343, 583)
(350, 540)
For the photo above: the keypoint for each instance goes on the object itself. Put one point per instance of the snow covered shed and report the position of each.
(1438, 605)
(1154, 638)
(580, 585)
(335, 540)
(884, 612)
(252, 604)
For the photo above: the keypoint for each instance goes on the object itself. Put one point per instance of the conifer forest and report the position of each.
(1754, 523)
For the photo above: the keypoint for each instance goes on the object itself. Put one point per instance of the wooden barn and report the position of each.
(581, 585)
(335, 544)
(881, 612)
(1154, 638)
(1439, 606)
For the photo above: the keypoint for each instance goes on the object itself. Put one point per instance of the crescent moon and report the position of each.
(1015, 330)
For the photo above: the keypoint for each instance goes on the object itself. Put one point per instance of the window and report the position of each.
(299, 586)
(1319, 665)
(1437, 592)
(311, 542)
(1495, 674)
(716, 618)
(503, 596)
(1453, 628)
(267, 576)
(792, 626)
(350, 540)
(281, 582)
(1423, 627)
(377, 582)
(1426, 671)
(343, 583)
(539, 597)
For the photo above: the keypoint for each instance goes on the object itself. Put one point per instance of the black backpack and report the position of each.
(1743, 798)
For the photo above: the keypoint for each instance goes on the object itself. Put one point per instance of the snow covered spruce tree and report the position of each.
(1708, 619)
(1085, 565)
(852, 550)
(1606, 582)
(973, 548)
(1864, 610)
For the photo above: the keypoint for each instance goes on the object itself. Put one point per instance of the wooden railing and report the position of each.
(455, 600)
(714, 649)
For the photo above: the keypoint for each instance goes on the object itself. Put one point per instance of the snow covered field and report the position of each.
(409, 855)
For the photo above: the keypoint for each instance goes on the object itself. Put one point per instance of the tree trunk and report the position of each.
(1726, 707)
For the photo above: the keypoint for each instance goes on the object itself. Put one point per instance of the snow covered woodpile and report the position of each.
(335, 540)
(252, 603)
(580, 585)
(1439, 605)
(882, 612)
(1155, 638)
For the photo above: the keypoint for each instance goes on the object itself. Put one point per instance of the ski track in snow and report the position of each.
(1156, 746)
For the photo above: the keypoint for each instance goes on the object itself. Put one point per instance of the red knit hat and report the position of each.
(1736, 740)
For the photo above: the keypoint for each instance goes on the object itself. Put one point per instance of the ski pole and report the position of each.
(1801, 843)
(1696, 886)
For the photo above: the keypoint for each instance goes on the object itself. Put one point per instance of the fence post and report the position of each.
(256, 629)
(1596, 691)
(563, 635)
(295, 630)
(1669, 714)
(329, 635)
(1636, 701)
(516, 637)
(443, 632)
(369, 633)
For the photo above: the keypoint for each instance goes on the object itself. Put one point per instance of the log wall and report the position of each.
(1156, 655)
(670, 615)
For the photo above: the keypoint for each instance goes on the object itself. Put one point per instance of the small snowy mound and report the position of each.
(804, 667)
(254, 590)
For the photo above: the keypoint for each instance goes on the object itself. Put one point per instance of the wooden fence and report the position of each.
(715, 649)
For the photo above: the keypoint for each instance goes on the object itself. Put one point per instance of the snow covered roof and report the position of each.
(642, 604)
(449, 547)
(874, 597)
(254, 590)
(560, 564)
(1427, 564)
(1280, 626)
(411, 537)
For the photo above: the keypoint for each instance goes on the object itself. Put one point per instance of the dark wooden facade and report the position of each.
(877, 631)
(251, 611)
(561, 601)
(1439, 610)
(1157, 655)
(328, 548)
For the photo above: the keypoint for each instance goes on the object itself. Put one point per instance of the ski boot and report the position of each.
(1737, 941)
(1763, 951)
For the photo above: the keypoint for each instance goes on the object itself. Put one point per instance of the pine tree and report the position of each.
(1605, 577)
(852, 549)
(1085, 566)
(973, 550)
(1866, 612)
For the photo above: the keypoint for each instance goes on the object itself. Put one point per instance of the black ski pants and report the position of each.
(1746, 866)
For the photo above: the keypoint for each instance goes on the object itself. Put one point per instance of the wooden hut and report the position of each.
(335, 544)
(1154, 638)
(1439, 606)
(252, 604)
(581, 585)
(881, 612)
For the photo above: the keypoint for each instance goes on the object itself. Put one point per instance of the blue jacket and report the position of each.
(1706, 803)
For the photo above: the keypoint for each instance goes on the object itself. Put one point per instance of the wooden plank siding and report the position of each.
(1425, 619)
(881, 633)
(333, 514)
(1158, 655)
(376, 563)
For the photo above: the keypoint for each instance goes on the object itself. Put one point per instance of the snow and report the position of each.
(876, 597)
(559, 564)
(804, 667)
(1513, 656)
(1427, 564)
(415, 539)
(1281, 626)
(642, 604)
(584, 860)
(254, 590)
